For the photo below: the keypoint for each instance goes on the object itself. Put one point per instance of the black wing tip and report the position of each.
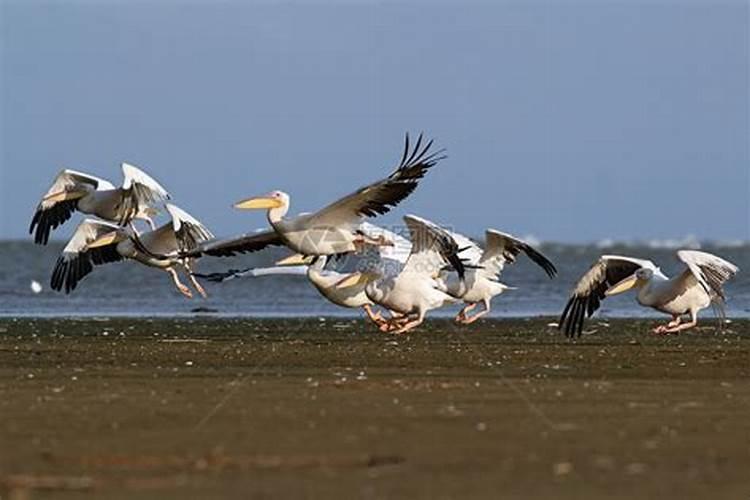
(458, 265)
(572, 317)
(540, 259)
(46, 220)
(69, 272)
(417, 157)
(220, 277)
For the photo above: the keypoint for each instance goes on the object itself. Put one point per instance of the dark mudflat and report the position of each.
(224, 408)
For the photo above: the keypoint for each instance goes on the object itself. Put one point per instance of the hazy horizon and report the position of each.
(569, 121)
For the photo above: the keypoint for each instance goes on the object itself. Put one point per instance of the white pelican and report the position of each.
(91, 195)
(483, 268)
(697, 287)
(334, 229)
(417, 288)
(96, 242)
(322, 279)
(325, 280)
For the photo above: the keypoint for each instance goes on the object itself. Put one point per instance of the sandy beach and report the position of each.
(329, 408)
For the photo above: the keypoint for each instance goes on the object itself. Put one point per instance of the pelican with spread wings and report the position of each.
(96, 242)
(483, 268)
(335, 228)
(325, 280)
(314, 268)
(696, 288)
(91, 195)
(416, 288)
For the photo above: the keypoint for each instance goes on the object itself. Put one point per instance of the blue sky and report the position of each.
(572, 121)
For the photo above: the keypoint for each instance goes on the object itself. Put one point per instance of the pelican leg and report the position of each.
(471, 319)
(182, 288)
(684, 326)
(389, 325)
(394, 323)
(461, 316)
(374, 316)
(411, 324)
(189, 270)
(197, 286)
(661, 329)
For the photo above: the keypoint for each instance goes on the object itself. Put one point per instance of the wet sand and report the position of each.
(238, 408)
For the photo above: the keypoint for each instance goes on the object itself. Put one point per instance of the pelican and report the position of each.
(325, 281)
(696, 288)
(483, 268)
(96, 242)
(333, 229)
(91, 195)
(417, 287)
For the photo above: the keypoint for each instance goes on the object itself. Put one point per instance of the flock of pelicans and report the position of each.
(406, 277)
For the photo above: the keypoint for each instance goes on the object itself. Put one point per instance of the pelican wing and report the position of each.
(469, 250)
(245, 243)
(502, 249)
(710, 271)
(398, 252)
(189, 231)
(61, 200)
(590, 289)
(253, 272)
(432, 249)
(139, 191)
(379, 197)
(77, 260)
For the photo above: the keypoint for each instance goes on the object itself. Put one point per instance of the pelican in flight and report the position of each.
(696, 288)
(483, 268)
(322, 279)
(97, 242)
(91, 195)
(335, 228)
(325, 280)
(416, 288)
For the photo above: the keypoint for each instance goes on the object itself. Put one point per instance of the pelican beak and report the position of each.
(353, 280)
(296, 260)
(259, 202)
(64, 195)
(622, 286)
(103, 241)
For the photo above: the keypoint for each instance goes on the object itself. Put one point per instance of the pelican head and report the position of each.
(274, 199)
(637, 279)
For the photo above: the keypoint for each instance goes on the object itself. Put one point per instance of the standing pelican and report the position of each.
(96, 242)
(91, 195)
(335, 228)
(697, 287)
(417, 288)
(483, 268)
